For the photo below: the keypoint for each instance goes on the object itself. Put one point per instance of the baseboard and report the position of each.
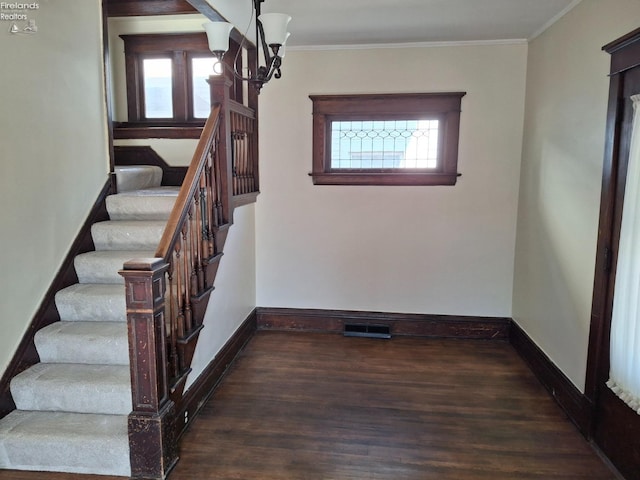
(47, 313)
(199, 392)
(400, 324)
(574, 403)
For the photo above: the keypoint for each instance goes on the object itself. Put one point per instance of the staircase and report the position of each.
(72, 408)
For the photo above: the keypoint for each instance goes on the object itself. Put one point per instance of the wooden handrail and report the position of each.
(189, 185)
(243, 110)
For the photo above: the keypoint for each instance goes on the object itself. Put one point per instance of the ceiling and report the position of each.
(364, 22)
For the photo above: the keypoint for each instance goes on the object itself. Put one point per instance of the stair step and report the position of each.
(127, 234)
(74, 388)
(65, 442)
(92, 302)
(83, 342)
(148, 204)
(136, 177)
(103, 266)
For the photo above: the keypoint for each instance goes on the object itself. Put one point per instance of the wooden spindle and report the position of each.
(186, 263)
(179, 291)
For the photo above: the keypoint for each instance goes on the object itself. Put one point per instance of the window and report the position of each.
(166, 84)
(157, 79)
(386, 139)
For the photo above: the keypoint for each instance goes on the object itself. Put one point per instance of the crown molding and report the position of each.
(375, 46)
(547, 25)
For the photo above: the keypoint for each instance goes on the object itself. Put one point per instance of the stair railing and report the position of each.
(188, 246)
(167, 296)
(241, 142)
(244, 149)
(166, 299)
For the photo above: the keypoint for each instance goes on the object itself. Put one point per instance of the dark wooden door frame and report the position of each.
(607, 410)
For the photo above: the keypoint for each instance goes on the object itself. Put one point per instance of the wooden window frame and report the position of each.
(180, 48)
(445, 107)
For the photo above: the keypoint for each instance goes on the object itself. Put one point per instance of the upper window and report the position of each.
(390, 139)
(166, 78)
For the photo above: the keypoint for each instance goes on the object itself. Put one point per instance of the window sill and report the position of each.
(134, 131)
(400, 179)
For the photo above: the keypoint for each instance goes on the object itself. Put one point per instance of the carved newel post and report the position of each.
(152, 436)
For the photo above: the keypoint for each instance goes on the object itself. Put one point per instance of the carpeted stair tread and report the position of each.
(74, 388)
(65, 442)
(83, 342)
(136, 177)
(103, 266)
(127, 234)
(92, 302)
(147, 204)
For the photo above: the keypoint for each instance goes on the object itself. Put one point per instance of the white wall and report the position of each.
(234, 297)
(567, 89)
(53, 151)
(439, 250)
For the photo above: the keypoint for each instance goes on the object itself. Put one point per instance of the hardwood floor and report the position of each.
(301, 406)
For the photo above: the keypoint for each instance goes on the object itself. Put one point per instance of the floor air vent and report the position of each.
(369, 331)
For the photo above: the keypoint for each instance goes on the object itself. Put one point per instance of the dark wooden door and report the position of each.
(616, 427)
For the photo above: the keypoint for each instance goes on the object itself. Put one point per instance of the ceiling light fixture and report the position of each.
(271, 35)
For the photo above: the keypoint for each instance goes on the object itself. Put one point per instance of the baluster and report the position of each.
(245, 155)
(194, 231)
(187, 288)
(213, 184)
(218, 188)
(198, 236)
(179, 290)
(241, 159)
(173, 327)
(237, 144)
(234, 162)
(247, 187)
(235, 153)
(209, 203)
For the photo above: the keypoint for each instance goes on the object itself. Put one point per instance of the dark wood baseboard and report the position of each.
(575, 404)
(204, 386)
(400, 324)
(145, 155)
(47, 313)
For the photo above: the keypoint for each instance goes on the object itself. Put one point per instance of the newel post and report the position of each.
(152, 436)
(219, 86)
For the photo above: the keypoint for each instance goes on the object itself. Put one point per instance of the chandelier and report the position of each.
(271, 35)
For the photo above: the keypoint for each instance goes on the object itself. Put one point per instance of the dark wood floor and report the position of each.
(313, 406)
